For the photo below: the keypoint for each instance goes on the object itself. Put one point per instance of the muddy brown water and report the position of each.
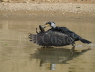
(18, 54)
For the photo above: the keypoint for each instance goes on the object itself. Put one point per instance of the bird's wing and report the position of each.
(51, 38)
(64, 29)
(69, 33)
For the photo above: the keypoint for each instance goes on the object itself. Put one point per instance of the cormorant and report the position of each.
(56, 36)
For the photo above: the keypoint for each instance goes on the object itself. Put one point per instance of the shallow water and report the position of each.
(18, 54)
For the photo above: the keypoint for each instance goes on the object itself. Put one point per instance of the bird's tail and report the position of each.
(85, 41)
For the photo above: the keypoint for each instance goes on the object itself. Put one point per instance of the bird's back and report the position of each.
(71, 34)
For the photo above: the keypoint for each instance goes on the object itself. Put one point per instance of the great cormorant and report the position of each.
(56, 36)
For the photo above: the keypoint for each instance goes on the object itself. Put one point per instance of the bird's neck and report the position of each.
(54, 27)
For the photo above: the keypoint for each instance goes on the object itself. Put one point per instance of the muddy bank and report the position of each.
(30, 11)
(44, 15)
(64, 7)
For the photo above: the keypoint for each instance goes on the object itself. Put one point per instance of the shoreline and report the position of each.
(65, 7)
(28, 11)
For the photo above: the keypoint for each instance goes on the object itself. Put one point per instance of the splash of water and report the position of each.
(87, 45)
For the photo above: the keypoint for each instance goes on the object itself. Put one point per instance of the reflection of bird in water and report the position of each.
(53, 56)
(56, 36)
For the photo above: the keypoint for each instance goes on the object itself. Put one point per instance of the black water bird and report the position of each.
(56, 36)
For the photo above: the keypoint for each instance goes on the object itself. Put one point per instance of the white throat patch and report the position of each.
(53, 25)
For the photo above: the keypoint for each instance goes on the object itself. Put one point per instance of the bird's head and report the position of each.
(50, 24)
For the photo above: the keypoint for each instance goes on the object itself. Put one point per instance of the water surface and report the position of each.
(18, 54)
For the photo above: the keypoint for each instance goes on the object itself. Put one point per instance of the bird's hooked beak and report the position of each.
(47, 25)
